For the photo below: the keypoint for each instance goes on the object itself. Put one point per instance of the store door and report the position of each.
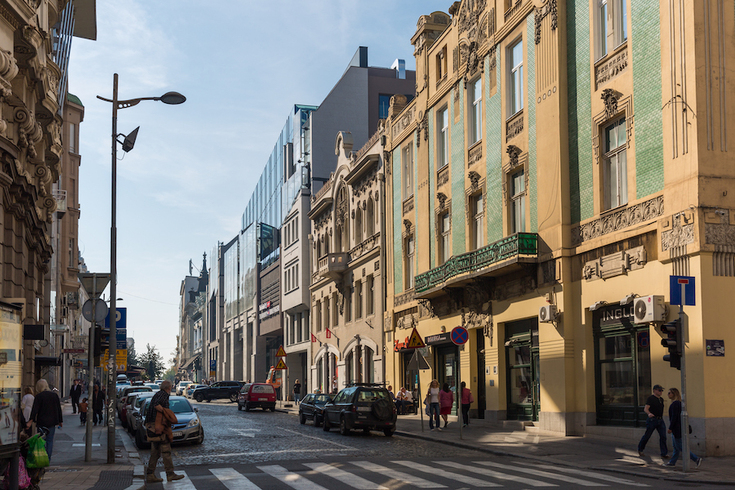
(447, 370)
(523, 370)
(481, 396)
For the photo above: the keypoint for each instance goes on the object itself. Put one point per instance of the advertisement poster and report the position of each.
(11, 341)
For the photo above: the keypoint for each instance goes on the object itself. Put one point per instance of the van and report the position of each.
(254, 395)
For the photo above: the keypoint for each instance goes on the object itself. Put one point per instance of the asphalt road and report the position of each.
(266, 450)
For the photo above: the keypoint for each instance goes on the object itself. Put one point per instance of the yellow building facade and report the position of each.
(559, 162)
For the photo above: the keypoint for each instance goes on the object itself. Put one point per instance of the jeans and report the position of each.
(466, 413)
(652, 424)
(49, 439)
(433, 412)
(160, 450)
(296, 397)
(676, 441)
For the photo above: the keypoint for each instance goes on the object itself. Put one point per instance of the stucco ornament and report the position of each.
(513, 152)
(610, 97)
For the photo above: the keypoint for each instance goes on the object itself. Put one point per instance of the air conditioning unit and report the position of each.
(547, 313)
(648, 309)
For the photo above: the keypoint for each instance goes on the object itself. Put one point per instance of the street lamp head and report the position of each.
(129, 141)
(172, 98)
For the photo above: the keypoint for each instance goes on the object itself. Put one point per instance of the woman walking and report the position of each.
(98, 405)
(296, 391)
(675, 428)
(432, 399)
(46, 413)
(26, 405)
(467, 400)
(445, 401)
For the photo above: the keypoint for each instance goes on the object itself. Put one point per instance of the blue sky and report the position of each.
(242, 65)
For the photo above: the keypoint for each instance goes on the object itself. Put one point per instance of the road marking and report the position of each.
(590, 474)
(83, 444)
(293, 480)
(232, 479)
(345, 477)
(544, 474)
(397, 475)
(183, 484)
(247, 432)
(496, 474)
(430, 470)
(320, 439)
(261, 453)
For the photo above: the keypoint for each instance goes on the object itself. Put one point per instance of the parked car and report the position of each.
(125, 392)
(158, 381)
(217, 391)
(133, 411)
(312, 408)
(188, 429)
(253, 395)
(362, 406)
(190, 389)
(153, 386)
(181, 387)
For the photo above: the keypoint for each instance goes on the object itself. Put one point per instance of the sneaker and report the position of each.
(699, 462)
(465, 425)
(668, 464)
(439, 429)
(174, 477)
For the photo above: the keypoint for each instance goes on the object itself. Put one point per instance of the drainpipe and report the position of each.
(383, 271)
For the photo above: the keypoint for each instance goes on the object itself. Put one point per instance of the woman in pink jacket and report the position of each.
(445, 401)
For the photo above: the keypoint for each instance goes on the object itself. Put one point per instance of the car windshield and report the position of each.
(137, 389)
(371, 395)
(321, 399)
(140, 400)
(180, 406)
(153, 386)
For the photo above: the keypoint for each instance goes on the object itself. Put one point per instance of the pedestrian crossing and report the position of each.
(370, 475)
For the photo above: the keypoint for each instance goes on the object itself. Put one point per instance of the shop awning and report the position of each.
(188, 363)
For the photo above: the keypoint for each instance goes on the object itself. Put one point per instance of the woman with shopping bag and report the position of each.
(46, 413)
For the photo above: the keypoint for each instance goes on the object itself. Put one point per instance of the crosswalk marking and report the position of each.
(545, 474)
(397, 475)
(590, 474)
(497, 474)
(183, 484)
(431, 470)
(293, 480)
(233, 480)
(345, 477)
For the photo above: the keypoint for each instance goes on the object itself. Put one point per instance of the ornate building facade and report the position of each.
(541, 198)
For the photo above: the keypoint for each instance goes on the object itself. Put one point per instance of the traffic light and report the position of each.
(674, 342)
(101, 340)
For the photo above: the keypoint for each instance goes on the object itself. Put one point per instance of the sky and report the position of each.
(242, 65)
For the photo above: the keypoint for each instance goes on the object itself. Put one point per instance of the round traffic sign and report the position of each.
(459, 335)
(99, 313)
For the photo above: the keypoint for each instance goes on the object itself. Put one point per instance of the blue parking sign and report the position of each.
(675, 283)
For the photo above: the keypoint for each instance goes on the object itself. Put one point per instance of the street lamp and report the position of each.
(172, 98)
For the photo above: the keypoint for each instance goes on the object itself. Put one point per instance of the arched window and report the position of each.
(370, 218)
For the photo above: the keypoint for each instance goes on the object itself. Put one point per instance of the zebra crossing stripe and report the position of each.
(496, 474)
(545, 474)
(591, 474)
(430, 470)
(183, 484)
(345, 477)
(233, 480)
(397, 475)
(293, 480)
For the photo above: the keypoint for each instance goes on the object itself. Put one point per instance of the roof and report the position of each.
(74, 99)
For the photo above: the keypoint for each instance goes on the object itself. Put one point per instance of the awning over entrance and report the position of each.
(188, 363)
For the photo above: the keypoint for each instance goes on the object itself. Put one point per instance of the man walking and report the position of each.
(75, 393)
(160, 449)
(655, 411)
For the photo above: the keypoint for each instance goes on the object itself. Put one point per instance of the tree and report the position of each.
(132, 356)
(170, 374)
(152, 361)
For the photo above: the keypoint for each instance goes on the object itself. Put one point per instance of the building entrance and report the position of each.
(522, 370)
(446, 370)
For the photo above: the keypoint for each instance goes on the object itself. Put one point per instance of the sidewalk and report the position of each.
(592, 453)
(69, 471)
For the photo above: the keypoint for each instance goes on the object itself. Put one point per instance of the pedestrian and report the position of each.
(467, 400)
(404, 399)
(654, 409)
(160, 449)
(46, 413)
(432, 399)
(83, 407)
(296, 391)
(390, 392)
(445, 401)
(74, 393)
(26, 405)
(334, 384)
(675, 428)
(98, 404)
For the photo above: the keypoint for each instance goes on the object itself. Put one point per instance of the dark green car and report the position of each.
(363, 406)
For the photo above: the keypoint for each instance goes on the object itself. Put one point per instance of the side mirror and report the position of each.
(196, 409)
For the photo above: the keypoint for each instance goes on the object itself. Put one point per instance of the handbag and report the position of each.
(24, 481)
(37, 455)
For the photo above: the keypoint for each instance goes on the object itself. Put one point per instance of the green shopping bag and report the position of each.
(37, 455)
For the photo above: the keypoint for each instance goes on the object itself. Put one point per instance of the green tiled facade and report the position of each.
(648, 128)
(531, 57)
(493, 154)
(580, 111)
(432, 186)
(397, 218)
(456, 172)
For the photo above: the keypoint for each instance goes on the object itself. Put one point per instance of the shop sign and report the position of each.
(616, 315)
(268, 309)
(440, 338)
(715, 348)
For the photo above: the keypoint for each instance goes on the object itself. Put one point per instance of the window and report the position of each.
(383, 106)
(477, 223)
(72, 264)
(326, 318)
(318, 317)
(370, 218)
(335, 310)
(441, 64)
(409, 252)
(515, 67)
(358, 299)
(474, 97)
(358, 225)
(444, 247)
(369, 297)
(348, 304)
(612, 26)
(442, 139)
(517, 202)
(407, 159)
(615, 178)
(72, 138)
(291, 277)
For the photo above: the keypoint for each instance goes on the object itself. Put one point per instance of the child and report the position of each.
(83, 411)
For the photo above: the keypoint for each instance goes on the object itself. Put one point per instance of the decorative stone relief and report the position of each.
(611, 68)
(610, 97)
(720, 233)
(422, 126)
(615, 264)
(631, 215)
(679, 235)
(402, 299)
(514, 127)
(403, 122)
(475, 155)
(513, 152)
(442, 198)
(407, 225)
(442, 176)
(548, 9)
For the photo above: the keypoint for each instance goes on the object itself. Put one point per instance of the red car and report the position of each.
(254, 395)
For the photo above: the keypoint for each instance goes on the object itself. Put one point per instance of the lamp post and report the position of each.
(172, 98)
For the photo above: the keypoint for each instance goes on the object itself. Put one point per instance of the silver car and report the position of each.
(133, 412)
(187, 429)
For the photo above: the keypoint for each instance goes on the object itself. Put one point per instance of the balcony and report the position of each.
(333, 265)
(494, 259)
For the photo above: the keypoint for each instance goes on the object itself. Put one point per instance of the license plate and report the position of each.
(178, 434)
(262, 399)
(363, 409)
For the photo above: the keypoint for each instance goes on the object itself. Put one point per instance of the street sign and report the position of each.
(417, 362)
(99, 313)
(73, 351)
(121, 331)
(281, 352)
(675, 283)
(281, 364)
(459, 335)
(94, 283)
(415, 341)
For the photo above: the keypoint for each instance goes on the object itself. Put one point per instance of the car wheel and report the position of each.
(343, 429)
(247, 407)
(198, 397)
(317, 421)
(366, 431)
(233, 397)
(201, 438)
(326, 425)
(239, 407)
(273, 408)
(388, 432)
(302, 419)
